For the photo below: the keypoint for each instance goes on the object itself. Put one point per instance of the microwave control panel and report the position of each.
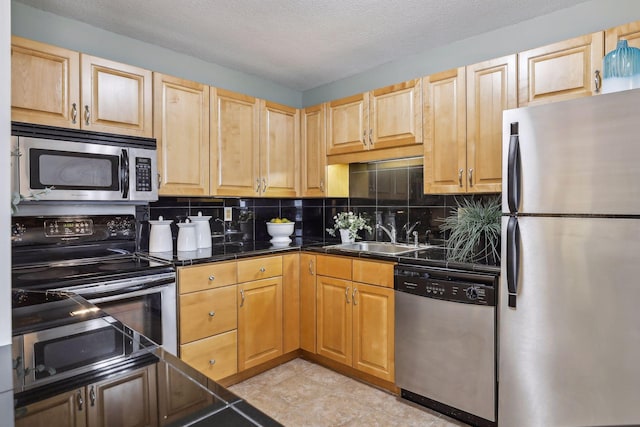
(143, 174)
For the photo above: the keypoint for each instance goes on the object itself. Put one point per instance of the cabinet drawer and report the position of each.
(216, 357)
(207, 313)
(373, 272)
(207, 276)
(333, 266)
(259, 268)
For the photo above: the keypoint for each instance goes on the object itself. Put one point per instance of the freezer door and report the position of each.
(569, 352)
(576, 157)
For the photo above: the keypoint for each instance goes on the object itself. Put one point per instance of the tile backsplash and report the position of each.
(386, 192)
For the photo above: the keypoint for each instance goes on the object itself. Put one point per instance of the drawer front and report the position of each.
(206, 276)
(374, 272)
(216, 357)
(207, 313)
(333, 266)
(259, 268)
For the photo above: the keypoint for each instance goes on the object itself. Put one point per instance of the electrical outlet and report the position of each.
(228, 214)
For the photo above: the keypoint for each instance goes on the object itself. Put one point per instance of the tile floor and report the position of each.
(300, 393)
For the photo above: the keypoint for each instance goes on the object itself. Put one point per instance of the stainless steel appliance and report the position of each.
(94, 257)
(445, 341)
(569, 329)
(71, 165)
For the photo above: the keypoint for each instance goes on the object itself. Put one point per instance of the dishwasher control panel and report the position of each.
(448, 285)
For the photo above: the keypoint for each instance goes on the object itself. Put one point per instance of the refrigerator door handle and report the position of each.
(513, 170)
(513, 259)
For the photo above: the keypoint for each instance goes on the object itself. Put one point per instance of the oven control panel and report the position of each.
(69, 227)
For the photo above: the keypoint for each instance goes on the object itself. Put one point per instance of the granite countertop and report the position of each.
(431, 256)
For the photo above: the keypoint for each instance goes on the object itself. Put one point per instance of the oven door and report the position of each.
(145, 304)
(64, 170)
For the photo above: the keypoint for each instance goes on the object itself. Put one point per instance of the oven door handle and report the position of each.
(97, 294)
(103, 297)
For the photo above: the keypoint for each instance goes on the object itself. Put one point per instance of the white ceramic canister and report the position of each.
(160, 239)
(203, 230)
(187, 236)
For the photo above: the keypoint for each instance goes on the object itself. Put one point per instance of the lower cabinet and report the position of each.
(127, 401)
(355, 320)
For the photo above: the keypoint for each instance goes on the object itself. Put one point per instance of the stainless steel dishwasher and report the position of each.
(445, 341)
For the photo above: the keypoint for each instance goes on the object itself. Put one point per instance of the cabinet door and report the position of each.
(279, 150)
(395, 115)
(308, 302)
(235, 138)
(630, 32)
(181, 128)
(290, 302)
(314, 157)
(445, 146)
(216, 356)
(349, 124)
(65, 409)
(259, 322)
(491, 89)
(126, 401)
(373, 330)
(179, 395)
(207, 313)
(334, 338)
(45, 84)
(560, 71)
(116, 97)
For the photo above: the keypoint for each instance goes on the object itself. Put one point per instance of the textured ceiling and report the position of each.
(300, 44)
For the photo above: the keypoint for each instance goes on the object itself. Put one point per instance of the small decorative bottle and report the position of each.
(621, 68)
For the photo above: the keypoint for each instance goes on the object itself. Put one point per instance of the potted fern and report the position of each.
(474, 231)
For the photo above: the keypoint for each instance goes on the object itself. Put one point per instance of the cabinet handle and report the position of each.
(159, 181)
(370, 137)
(241, 297)
(212, 278)
(470, 177)
(258, 186)
(92, 396)
(79, 400)
(74, 113)
(322, 185)
(311, 267)
(353, 296)
(597, 80)
(262, 269)
(460, 172)
(87, 115)
(264, 185)
(212, 362)
(364, 138)
(212, 313)
(346, 294)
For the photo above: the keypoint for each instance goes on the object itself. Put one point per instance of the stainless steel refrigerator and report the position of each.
(569, 316)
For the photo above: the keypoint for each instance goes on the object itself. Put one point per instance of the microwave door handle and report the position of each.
(124, 177)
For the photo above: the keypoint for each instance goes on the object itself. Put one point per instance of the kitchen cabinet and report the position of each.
(463, 126)
(308, 302)
(255, 146)
(181, 128)
(290, 302)
(179, 395)
(125, 400)
(59, 87)
(260, 323)
(387, 117)
(355, 319)
(559, 71)
(629, 32)
(208, 318)
(314, 158)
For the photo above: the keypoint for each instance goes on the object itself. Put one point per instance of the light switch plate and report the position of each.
(228, 214)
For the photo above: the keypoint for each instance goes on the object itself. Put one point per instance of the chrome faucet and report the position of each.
(409, 229)
(391, 231)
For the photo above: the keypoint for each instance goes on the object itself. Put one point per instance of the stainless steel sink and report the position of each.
(385, 248)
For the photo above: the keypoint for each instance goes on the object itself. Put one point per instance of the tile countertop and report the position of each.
(433, 256)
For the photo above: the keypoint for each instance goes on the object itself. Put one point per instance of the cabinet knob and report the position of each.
(79, 400)
(212, 313)
(262, 269)
(212, 362)
(597, 80)
(470, 177)
(92, 396)
(212, 278)
(74, 113)
(87, 115)
(460, 172)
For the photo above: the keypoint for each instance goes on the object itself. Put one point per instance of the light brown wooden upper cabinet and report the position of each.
(629, 32)
(463, 126)
(254, 146)
(45, 84)
(383, 118)
(313, 168)
(564, 70)
(181, 128)
(59, 87)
